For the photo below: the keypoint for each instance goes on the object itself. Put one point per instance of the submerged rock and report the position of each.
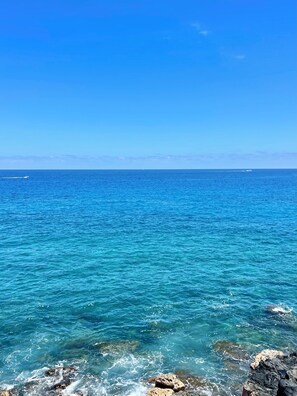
(196, 385)
(272, 374)
(278, 310)
(231, 350)
(195, 381)
(117, 347)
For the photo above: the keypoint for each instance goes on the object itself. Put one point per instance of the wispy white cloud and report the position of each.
(240, 57)
(196, 25)
(200, 30)
(204, 32)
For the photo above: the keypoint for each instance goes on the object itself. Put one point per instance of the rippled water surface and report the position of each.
(124, 274)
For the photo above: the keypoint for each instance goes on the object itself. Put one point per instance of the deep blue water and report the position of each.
(128, 273)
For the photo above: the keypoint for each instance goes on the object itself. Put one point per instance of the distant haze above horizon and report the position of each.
(148, 85)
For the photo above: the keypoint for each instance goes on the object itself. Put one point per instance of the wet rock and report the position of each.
(160, 392)
(278, 310)
(235, 366)
(169, 381)
(62, 384)
(61, 378)
(272, 374)
(57, 371)
(196, 385)
(8, 392)
(194, 381)
(231, 350)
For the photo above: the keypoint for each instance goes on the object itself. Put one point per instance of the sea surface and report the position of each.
(125, 274)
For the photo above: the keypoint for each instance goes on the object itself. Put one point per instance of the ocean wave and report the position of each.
(14, 177)
(125, 375)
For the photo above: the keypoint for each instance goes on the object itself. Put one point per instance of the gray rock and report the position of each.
(265, 355)
(273, 375)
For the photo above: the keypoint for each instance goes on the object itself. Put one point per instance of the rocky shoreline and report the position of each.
(272, 373)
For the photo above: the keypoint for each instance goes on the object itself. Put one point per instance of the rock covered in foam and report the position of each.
(60, 371)
(278, 310)
(272, 374)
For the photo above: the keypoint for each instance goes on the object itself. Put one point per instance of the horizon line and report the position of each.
(138, 169)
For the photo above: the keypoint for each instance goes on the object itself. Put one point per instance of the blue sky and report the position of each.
(148, 84)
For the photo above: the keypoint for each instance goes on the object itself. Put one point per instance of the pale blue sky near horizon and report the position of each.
(148, 84)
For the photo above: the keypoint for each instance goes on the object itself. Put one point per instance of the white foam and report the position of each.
(71, 388)
(281, 310)
(221, 306)
(126, 376)
(140, 390)
(14, 177)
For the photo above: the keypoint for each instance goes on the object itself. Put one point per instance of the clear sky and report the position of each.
(148, 84)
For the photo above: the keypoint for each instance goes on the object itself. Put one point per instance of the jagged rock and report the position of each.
(61, 379)
(160, 392)
(272, 374)
(264, 355)
(169, 381)
(56, 371)
(62, 384)
(195, 381)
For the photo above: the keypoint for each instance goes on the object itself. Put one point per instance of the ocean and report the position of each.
(126, 274)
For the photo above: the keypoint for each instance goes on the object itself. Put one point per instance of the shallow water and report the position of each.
(128, 273)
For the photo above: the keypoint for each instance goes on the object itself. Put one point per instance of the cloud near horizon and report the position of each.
(157, 161)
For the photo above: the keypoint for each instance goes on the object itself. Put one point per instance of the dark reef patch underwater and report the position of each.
(121, 275)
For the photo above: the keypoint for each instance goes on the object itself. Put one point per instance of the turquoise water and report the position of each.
(124, 274)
